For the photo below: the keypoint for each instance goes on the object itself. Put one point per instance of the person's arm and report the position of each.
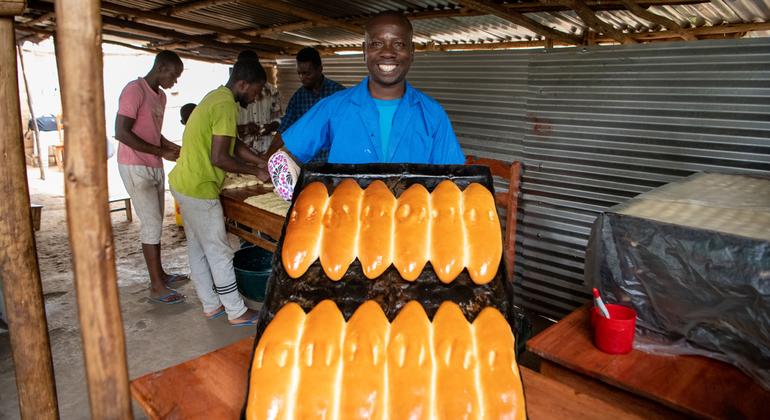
(221, 158)
(275, 145)
(244, 153)
(310, 133)
(125, 135)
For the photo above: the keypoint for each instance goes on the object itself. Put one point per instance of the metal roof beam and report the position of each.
(595, 5)
(189, 6)
(519, 19)
(290, 9)
(190, 25)
(667, 23)
(592, 21)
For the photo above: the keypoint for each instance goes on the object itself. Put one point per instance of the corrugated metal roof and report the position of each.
(469, 28)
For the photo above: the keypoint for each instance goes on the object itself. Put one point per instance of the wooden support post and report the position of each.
(40, 154)
(18, 260)
(511, 218)
(79, 54)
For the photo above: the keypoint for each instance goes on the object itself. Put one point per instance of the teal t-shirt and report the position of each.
(387, 109)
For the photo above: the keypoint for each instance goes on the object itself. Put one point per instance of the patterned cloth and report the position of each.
(284, 172)
(261, 111)
(304, 99)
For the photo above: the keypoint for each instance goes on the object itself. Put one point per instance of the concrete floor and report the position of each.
(157, 336)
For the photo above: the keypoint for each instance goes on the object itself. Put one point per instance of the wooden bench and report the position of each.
(126, 205)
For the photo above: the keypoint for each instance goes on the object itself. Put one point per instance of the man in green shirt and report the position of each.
(209, 149)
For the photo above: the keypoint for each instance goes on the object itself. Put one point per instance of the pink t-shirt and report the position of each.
(140, 102)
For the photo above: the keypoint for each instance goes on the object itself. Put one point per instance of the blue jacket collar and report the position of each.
(361, 93)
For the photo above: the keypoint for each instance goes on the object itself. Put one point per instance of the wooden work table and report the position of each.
(213, 386)
(240, 215)
(692, 385)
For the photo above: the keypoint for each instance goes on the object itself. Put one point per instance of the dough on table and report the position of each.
(270, 202)
(240, 181)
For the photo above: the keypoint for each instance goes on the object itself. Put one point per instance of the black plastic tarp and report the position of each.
(693, 259)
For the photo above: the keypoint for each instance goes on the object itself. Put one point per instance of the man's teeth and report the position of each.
(387, 67)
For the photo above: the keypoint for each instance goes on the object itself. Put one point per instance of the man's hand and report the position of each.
(170, 154)
(263, 175)
(270, 127)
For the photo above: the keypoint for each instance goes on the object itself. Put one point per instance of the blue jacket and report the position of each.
(348, 124)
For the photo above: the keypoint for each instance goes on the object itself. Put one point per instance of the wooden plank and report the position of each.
(617, 397)
(79, 58)
(213, 386)
(258, 220)
(549, 399)
(19, 271)
(692, 384)
(12, 7)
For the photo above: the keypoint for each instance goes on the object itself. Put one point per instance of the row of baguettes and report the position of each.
(319, 366)
(452, 229)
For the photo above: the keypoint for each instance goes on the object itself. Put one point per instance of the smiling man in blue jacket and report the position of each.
(383, 118)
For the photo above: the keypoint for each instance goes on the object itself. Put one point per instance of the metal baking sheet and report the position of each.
(389, 290)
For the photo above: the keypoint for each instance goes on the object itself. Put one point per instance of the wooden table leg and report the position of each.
(127, 205)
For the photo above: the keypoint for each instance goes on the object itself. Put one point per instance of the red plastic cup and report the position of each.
(616, 334)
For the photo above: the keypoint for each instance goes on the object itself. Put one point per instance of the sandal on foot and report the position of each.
(251, 322)
(176, 279)
(169, 299)
(215, 314)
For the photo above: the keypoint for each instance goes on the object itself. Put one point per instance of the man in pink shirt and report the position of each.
(142, 146)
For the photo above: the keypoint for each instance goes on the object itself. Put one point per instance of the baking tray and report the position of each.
(389, 290)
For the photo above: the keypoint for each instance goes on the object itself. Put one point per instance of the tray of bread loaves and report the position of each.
(388, 299)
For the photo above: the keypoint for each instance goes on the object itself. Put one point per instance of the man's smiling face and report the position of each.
(388, 50)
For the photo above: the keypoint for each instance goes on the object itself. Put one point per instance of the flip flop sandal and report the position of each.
(168, 299)
(251, 322)
(216, 314)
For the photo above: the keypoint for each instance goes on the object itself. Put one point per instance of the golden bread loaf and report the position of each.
(412, 232)
(339, 241)
(447, 245)
(364, 357)
(303, 234)
(484, 244)
(452, 229)
(273, 370)
(320, 363)
(375, 241)
(319, 366)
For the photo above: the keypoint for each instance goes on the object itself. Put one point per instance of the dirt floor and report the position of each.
(157, 336)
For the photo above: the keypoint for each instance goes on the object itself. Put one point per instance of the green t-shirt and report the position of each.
(194, 175)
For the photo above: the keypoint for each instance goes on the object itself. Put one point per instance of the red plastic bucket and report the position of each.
(614, 335)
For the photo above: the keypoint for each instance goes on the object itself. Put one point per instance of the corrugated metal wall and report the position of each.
(594, 127)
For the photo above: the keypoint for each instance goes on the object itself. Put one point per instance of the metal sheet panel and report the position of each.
(605, 124)
(594, 127)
